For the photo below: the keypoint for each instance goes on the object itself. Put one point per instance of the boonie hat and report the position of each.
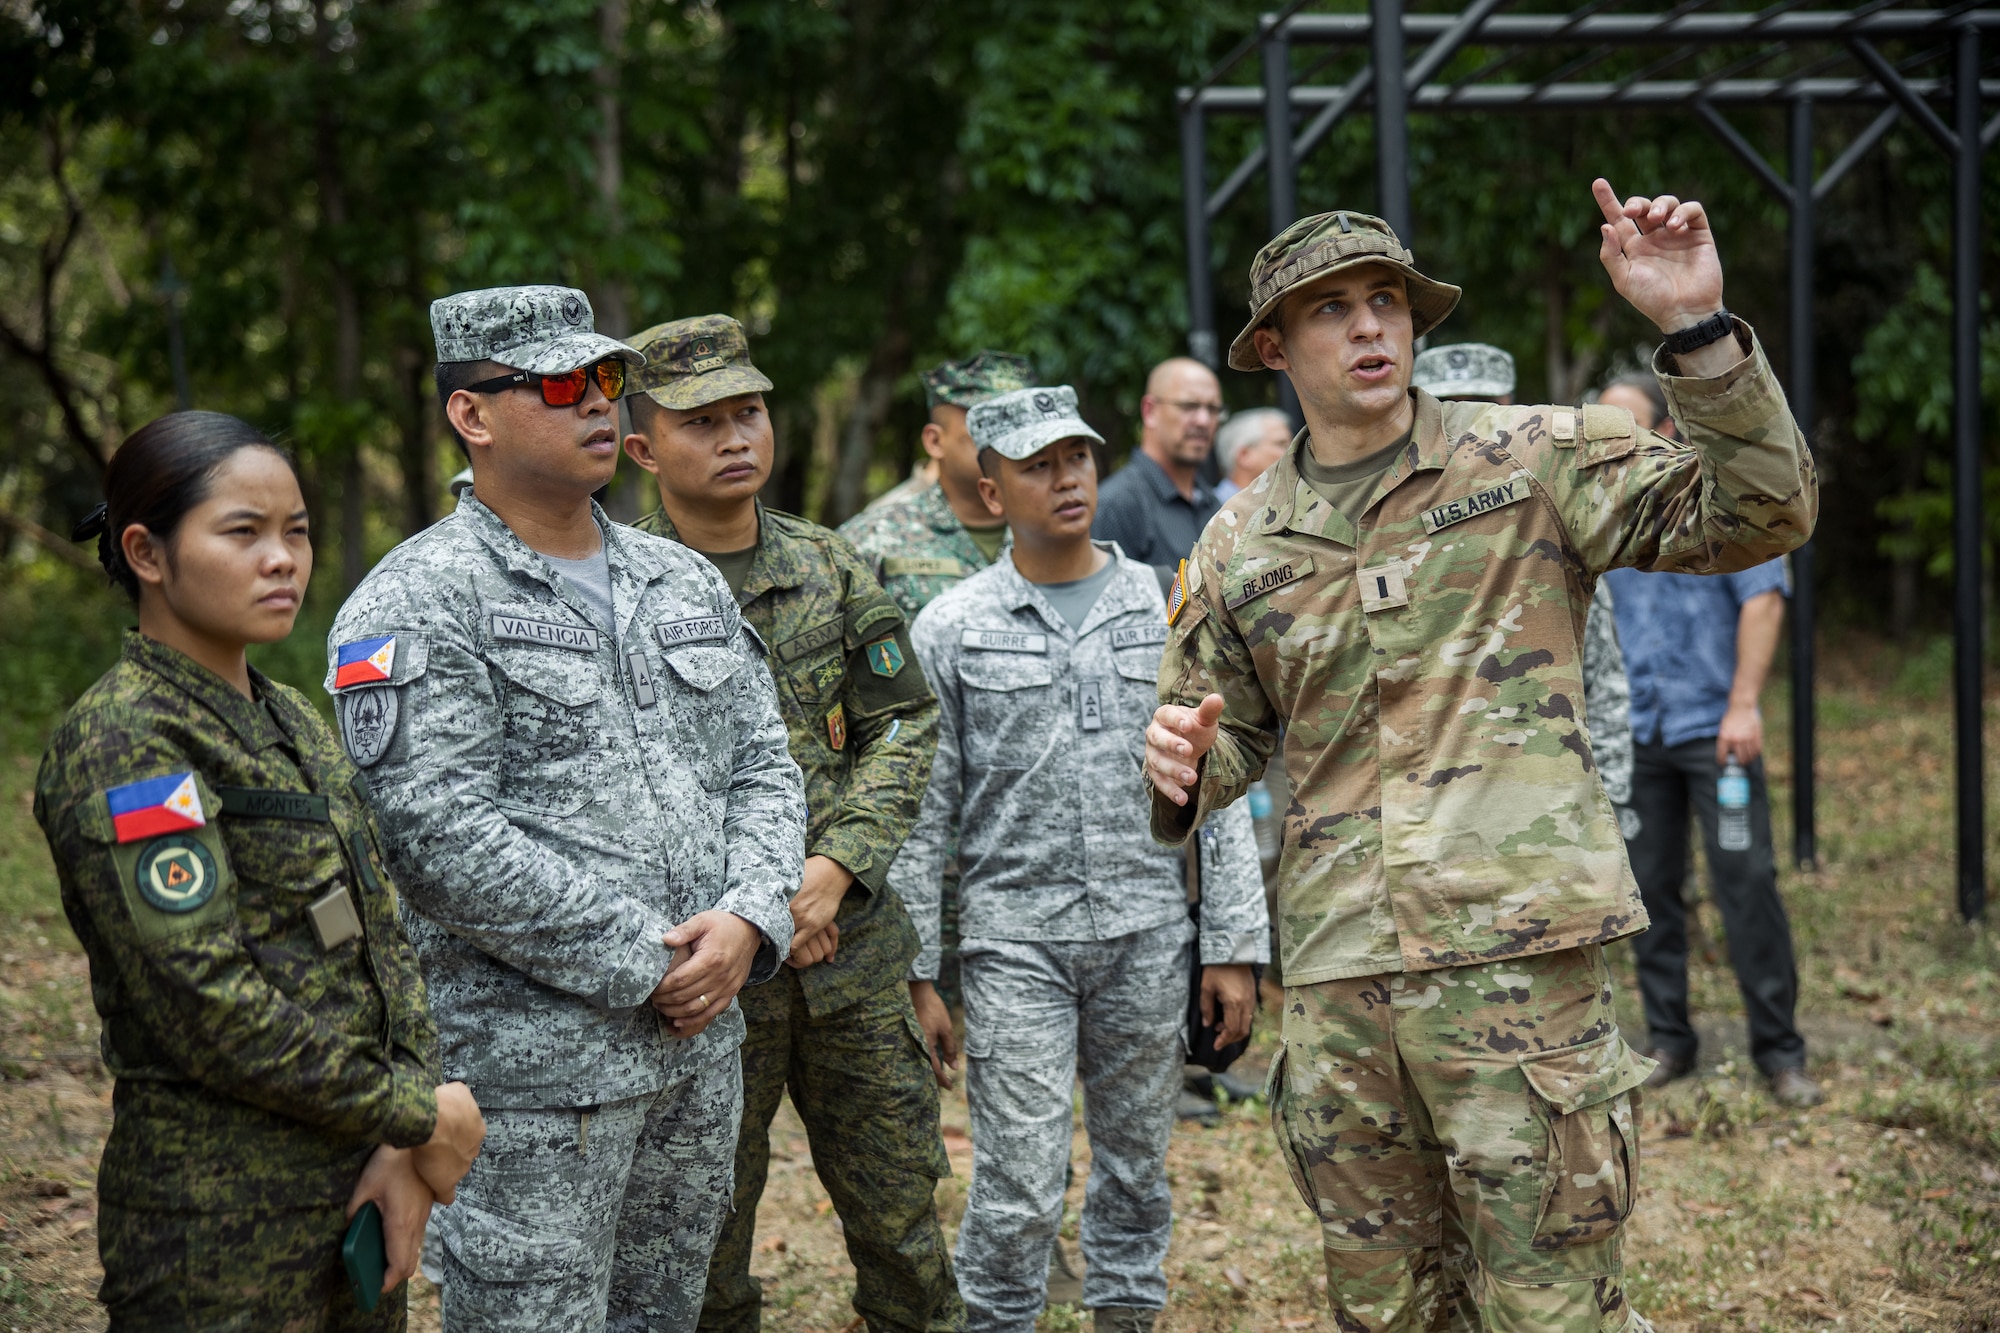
(972, 381)
(1316, 246)
(543, 330)
(1021, 424)
(1464, 370)
(696, 361)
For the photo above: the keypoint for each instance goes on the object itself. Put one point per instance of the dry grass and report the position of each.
(1879, 1211)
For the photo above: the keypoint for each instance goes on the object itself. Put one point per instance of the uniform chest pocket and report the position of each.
(1009, 708)
(1138, 691)
(551, 731)
(816, 679)
(700, 705)
(286, 857)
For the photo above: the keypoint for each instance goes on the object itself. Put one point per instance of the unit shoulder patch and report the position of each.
(175, 874)
(368, 724)
(885, 658)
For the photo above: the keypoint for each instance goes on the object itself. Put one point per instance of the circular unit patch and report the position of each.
(176, 873)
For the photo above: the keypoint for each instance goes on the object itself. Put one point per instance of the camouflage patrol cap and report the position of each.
(696, 361)
(971, 381)
(1464, 370)
(544, 330)
(1021, 424)
(1313, 247)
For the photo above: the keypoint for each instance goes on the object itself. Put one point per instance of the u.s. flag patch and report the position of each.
(1177, 596)
(364, 662)
(155, 806)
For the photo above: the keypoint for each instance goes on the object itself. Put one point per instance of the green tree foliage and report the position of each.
(871, 185)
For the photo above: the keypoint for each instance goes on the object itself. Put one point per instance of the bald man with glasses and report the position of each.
(1158, 503)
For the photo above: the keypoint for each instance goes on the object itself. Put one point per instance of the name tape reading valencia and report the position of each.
(522, 630)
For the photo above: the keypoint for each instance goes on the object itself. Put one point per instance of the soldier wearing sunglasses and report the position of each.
(581, 775)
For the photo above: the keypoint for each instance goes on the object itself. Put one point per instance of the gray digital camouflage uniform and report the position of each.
(1073, 927)
(554, 797)
(1607, 701)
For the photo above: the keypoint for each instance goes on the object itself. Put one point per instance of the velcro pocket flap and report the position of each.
(704, 668)
(549, 672)
(1608, 433)
(1573, 1077)
(1138, 663)
(1005, 671)
(499, 1248)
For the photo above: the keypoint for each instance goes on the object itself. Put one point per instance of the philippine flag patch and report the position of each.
(364, 662)
(155, 806)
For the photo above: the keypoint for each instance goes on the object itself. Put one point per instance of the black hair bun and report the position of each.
(91, 524)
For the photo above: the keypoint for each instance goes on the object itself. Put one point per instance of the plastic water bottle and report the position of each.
(1263, 821)
(1732, 801)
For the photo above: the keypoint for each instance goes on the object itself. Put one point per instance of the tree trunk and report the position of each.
(346, 309)
(1555, 315)
(419, 470)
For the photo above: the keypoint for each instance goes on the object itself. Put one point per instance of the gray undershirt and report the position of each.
(1073, 600)
(591, 579)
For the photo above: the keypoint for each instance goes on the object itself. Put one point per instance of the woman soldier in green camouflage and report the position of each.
(263, 1014)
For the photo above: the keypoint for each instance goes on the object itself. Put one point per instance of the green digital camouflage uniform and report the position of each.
(1450, 861)
(841, 1033)
(916, 548)
(256, 1070)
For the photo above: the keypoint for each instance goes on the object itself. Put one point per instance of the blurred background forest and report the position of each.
(248, 205)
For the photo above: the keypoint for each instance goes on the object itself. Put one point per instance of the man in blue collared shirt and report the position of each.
(1697, 650)
(1157, 504)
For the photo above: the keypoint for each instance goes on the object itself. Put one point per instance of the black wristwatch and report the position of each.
(1713, 329)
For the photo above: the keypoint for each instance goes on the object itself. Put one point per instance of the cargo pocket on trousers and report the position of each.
(497, 1248)
(1585, 1095)
(1295, 1162)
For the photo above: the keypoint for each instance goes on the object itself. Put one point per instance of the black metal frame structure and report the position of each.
(1833, 56)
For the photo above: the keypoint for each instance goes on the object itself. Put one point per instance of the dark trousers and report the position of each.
(1666, 781)
(861, 1081)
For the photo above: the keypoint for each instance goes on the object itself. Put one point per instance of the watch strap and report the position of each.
(1714, 328)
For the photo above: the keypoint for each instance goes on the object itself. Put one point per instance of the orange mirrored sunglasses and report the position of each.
(566, 389)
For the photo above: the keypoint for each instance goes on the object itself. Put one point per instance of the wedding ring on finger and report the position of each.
(701, 1001)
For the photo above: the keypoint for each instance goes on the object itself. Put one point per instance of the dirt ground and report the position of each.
(1880, 1210)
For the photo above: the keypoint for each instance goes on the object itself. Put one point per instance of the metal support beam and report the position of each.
(1745, 150)
(1281, 170)
(1855, 151)
(1804, 613)
(1392, 129)
(1799, 25)
(1194, 216)
(1894, 84)
(1594, 95)
(1281, 177)
(1968, 518)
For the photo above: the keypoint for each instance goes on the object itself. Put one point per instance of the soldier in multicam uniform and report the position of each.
(924, 543)
(838, 1026)
(1404, 594)
(1480, 372)
(1076, 930)
(581, 773)
(263, 1013)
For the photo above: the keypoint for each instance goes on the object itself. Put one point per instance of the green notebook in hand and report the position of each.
(366, 1257)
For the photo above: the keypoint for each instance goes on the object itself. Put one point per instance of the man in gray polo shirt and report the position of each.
(1074, 925)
